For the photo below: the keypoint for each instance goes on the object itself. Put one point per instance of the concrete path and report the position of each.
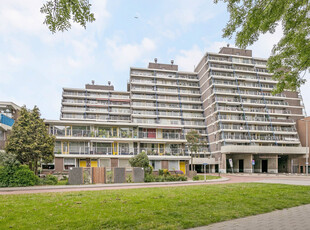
(227, 178)
(287, 219)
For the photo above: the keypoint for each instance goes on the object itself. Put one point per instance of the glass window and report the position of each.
(173, 165)
(69, 163)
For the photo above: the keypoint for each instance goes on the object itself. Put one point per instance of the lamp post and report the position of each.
(307, 146)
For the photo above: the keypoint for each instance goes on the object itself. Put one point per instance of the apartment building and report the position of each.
(249, 128)
(228, 99)
(103, 127)
(8, 115)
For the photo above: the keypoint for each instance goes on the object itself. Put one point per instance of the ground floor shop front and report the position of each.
(262, 159)
(262, 163)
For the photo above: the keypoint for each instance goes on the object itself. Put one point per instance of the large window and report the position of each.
(69, 163)
(80, 131)
(49, 166)
(173, 165)
(156, 165)
(57, 148)
(78, 148)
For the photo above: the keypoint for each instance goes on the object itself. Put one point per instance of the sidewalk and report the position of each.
(287, 219)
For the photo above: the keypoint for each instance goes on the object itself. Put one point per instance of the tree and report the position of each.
(59, 13)
(141, 160)
(192, 139)
(290, 57)
(29, 140)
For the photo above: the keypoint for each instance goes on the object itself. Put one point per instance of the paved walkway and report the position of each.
(287, 219)
(92, 187)
(227, 178)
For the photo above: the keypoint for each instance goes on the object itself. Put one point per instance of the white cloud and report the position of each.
(125, 55)
(265, 43)
(187, 59)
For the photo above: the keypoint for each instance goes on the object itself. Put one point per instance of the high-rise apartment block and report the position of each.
(228, 99)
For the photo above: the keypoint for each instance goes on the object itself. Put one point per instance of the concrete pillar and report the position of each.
(273, 165)
(222, 165)
(248, 163)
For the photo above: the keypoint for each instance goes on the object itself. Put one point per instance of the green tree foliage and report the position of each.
(193, 143)
(141, 160)
(29, 140)
(14, 175)
(290, 57)
(60, 13)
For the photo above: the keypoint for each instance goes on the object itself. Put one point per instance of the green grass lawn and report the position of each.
(208, 177)
(147, 208)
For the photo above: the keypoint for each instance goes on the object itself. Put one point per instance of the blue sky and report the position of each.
(35, 64)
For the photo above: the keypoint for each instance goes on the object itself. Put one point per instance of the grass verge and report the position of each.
(147, 208)
(208, 177)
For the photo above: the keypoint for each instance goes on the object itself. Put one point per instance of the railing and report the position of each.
(6, 120)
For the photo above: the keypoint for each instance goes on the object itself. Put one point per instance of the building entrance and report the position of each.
(264, 166)
(241, 166)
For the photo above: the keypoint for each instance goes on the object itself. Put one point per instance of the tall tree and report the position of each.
(60, 13)
(193, 138)
(29, 140)
(290, 57)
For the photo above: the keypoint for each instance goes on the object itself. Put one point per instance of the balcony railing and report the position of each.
(123, 134)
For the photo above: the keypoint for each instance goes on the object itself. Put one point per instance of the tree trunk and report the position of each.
(30, 166)
(192, 161)
(36, 167)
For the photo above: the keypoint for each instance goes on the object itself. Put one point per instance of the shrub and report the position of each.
(50, 180)
(17, 175)
(166, 172)
(141, 160)
(196, 177)
(149, 178)
(169, 178)
(129, 179)
(179, 172)
(160, 172)
(110, 177)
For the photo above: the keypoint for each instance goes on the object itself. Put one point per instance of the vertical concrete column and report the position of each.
(248, 168)
(222, 166)
(273, 165)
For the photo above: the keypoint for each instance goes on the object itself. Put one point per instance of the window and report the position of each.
(156, 165)
(49, 166)
(173, 165)
(69, 163)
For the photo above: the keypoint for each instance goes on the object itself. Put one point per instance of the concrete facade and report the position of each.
(227, 99)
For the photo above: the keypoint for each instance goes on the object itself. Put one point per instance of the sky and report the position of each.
(35, 64)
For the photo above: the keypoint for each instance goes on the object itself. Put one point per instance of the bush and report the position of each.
(149, 178)
(50, 180)
(165, 178)
(17, 175)
(196, 177)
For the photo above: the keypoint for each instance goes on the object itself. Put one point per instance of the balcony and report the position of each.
(6, 120)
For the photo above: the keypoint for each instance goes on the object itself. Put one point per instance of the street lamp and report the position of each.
(307, 146)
